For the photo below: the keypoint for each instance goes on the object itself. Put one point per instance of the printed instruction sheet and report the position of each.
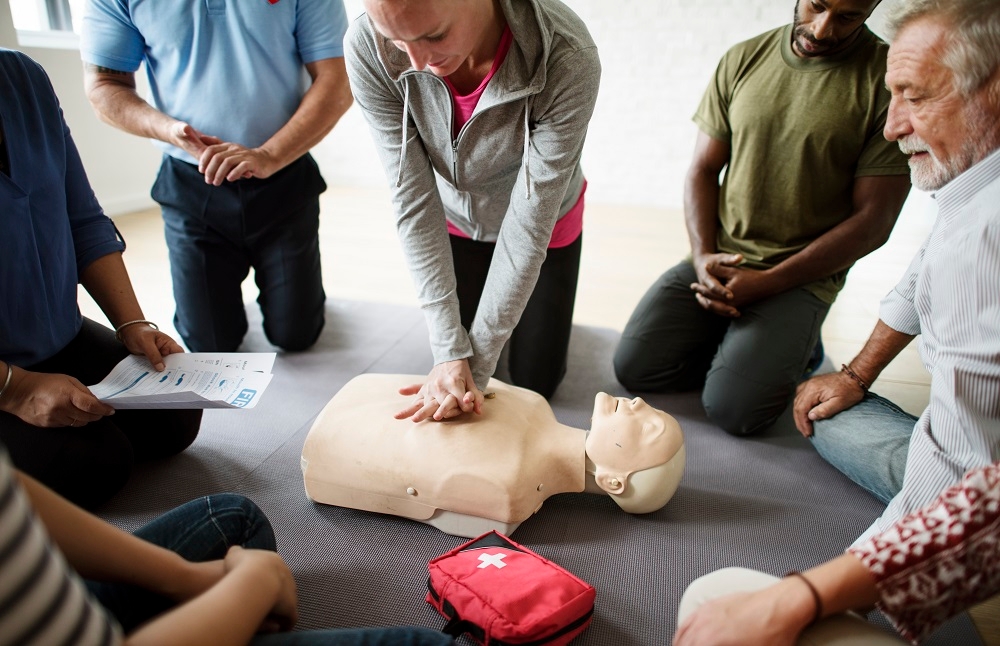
(190, 380)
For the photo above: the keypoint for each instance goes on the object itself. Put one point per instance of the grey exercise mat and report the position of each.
(768, 503)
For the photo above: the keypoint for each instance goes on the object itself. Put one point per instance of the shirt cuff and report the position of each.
(899, 313)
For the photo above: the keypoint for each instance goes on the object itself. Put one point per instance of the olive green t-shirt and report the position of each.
(800, 130)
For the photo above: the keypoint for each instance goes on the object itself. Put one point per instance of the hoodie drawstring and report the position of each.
(527, 150)
(402, 148)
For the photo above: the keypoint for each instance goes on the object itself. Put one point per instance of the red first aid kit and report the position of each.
(503, 594)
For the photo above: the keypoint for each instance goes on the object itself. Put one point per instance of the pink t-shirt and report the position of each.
(570, 226)
(466, 105)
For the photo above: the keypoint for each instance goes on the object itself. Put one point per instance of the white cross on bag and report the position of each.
(492, 559)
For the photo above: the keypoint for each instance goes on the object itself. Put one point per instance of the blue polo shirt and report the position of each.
(52, 226)
(231, 68)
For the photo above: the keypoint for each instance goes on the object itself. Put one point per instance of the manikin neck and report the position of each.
(565, 448)
(590, 484)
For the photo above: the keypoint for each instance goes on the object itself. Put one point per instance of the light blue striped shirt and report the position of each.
(950, 296)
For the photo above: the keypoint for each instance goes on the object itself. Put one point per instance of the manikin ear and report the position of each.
(613, 483)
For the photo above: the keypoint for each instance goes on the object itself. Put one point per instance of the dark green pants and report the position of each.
(748, 367)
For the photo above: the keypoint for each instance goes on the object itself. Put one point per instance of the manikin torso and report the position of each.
(464, 476)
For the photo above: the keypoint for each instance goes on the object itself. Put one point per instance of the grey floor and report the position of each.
(768, 503)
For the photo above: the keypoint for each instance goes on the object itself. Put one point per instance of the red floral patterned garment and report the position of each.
(941, 559)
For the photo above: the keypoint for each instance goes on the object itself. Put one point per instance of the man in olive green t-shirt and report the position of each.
(795, 117)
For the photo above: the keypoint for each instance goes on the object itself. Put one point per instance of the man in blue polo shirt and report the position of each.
(235, 117)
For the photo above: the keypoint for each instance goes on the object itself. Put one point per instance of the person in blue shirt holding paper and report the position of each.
(57, 236)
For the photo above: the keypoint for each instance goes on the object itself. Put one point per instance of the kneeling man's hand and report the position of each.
(823, 397)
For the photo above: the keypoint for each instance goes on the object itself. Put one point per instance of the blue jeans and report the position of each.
(200, 530)
(204, 530)
(868, 443)
(404, 636)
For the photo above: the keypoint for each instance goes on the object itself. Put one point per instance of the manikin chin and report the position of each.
(476, 473)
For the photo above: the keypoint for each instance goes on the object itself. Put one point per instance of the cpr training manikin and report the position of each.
(475, 473)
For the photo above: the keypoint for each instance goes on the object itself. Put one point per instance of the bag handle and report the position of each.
(457, 627)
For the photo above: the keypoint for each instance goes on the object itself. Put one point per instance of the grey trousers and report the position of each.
(747, 367)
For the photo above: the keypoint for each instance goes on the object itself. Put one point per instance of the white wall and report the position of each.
(121, 167)
(657, 56)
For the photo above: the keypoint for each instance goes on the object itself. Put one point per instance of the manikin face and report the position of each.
(825, 27)
(943, 132)
(629, 435)
(437, 35)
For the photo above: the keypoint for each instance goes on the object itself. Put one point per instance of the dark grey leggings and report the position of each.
(748, 367)
(539, 345)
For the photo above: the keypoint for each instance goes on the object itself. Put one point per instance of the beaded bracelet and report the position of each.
(118, 330)
(815, 593)
(853, 375)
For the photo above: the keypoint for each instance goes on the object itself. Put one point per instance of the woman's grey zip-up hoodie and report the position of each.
(512, 171)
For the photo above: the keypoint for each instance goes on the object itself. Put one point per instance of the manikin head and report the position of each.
(826, 27)
(944, 76)
(438, 35)
(636, 453)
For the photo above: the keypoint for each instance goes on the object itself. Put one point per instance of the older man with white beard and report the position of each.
(944, 76)
(919, 563)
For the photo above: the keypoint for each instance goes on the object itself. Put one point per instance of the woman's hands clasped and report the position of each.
(448, 392)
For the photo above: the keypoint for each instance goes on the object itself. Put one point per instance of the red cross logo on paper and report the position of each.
(492, 559)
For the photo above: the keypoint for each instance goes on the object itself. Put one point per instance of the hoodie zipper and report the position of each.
(451, 122)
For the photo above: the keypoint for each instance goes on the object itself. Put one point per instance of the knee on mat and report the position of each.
(294, 338)
(827, 439)
(632, 367)
(626, 363)
(171, 433)
(242, 521)
(651, 368)
(213, 343)
(738, 417)
(184, 436)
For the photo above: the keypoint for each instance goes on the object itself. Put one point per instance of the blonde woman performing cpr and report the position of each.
(479, 110)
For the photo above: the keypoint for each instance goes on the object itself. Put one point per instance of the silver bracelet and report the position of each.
(10, 373)
(118, 330)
